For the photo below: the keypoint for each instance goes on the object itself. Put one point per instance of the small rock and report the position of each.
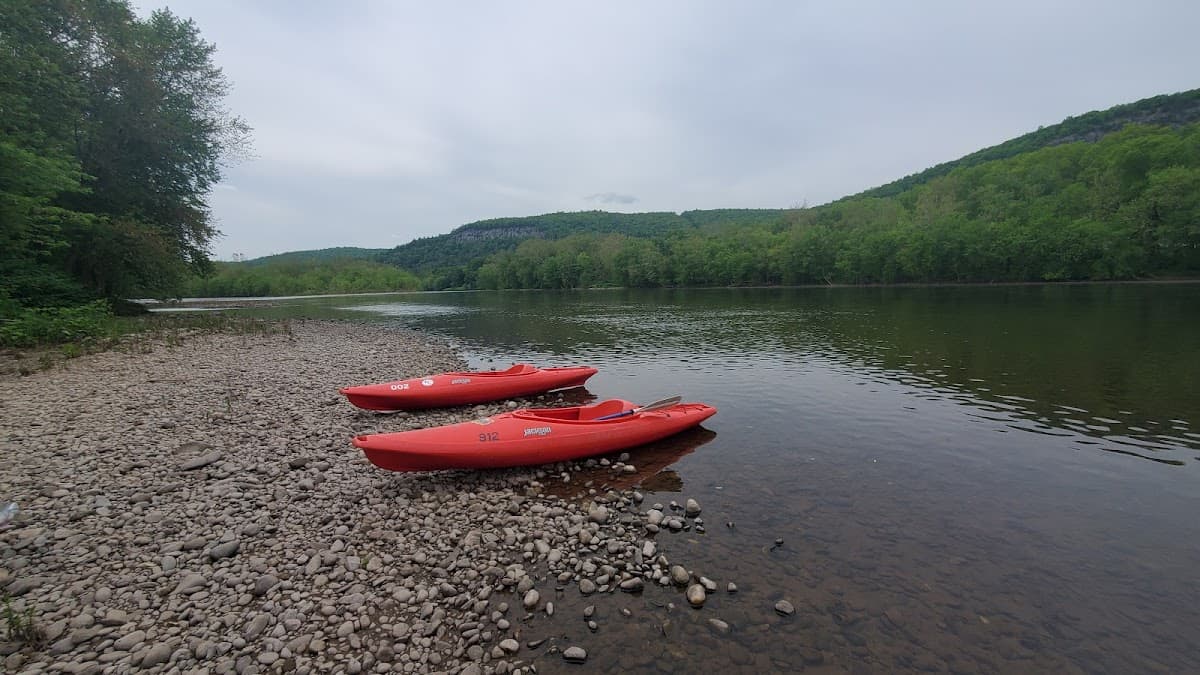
(696, 595)
(201, 462)
(574, 655)
(785, 608)
(632, 585)
(130, 641)
(510, 645)
(719, 626)
(225, 550)
(679, 575)
(692, 508)
(264, 584)
(531, 599)
(159, 653)
(191, 584)
(114, 617)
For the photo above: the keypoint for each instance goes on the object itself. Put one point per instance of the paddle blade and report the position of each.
(657, 405)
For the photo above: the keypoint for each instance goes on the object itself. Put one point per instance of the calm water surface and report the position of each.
(1000, 479)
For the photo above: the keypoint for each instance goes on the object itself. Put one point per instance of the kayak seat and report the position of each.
(578, 414)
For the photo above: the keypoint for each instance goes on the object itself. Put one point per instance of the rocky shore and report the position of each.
(197, 507)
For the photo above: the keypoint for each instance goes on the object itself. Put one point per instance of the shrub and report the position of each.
(55, 325)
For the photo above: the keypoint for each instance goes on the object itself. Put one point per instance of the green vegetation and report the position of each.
(1166, 110)
(54, 325)
(324, 255)
(453, 260)
(101, 331)
(300, 276)
(111, 135)
(20, 626)
(1126, 206)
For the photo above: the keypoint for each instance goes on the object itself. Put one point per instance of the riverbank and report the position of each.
(196, 505)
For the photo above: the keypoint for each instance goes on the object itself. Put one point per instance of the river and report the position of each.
(962, 479)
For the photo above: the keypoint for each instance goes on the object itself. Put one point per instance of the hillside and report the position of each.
(1172, 110)
(1113, 194)
(318, 256)
(471, 243)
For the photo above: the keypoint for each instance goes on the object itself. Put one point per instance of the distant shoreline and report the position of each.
(159, 305)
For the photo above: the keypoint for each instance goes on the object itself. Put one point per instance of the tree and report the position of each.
(121, 120)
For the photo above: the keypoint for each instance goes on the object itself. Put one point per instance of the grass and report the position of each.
(21, 626)
(135, 335)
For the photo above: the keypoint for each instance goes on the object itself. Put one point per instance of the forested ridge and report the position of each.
(1166, 110)
(1106, 195)
(1124, 207)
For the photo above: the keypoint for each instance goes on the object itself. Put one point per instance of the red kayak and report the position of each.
(447, 389)
(537, 436)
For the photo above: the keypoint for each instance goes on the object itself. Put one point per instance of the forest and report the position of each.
(1124, 207)
(299, 277)
(113, 133)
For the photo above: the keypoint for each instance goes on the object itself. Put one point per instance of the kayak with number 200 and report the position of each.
(530, 436)
(448, 389)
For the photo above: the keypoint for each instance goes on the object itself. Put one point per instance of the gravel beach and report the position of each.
(197, 507)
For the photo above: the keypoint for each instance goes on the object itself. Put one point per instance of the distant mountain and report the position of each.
(1174, 110)
(1111, 194)
(319, 255)
(473, 242)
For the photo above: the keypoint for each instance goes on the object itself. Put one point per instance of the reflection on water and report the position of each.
(650, 464)
(959, 475)
(407, 309)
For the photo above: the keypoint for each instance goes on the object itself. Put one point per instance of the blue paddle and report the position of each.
(665, 403)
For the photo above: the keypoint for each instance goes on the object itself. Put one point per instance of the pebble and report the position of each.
(129, 641)
(719, 626)
(679, 575)
(159, 653)
(575, 654)
(692, 508)
(785, 608)
(696, 595)
(202, 461)
(531, 599)
(225, 550)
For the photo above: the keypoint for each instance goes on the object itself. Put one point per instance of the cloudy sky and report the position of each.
(379, 122)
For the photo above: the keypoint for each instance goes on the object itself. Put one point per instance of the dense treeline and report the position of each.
(300, 277)
(1125, 207)
(112, 134)
(323, 255)
(452, 260)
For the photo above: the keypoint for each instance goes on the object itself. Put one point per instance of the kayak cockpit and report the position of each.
(577, 414)
(516, 369)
